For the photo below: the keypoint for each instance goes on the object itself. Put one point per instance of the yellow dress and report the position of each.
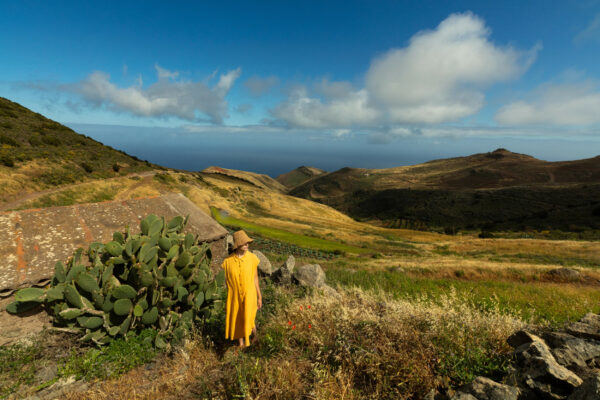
(242, 301)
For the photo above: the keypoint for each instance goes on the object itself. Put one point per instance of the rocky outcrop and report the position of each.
(561, 365)
(264, 266)
(310, 275)
(284, 274)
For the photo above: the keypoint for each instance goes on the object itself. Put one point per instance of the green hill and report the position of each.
(299, 176)
(494, 191)
(37, 153)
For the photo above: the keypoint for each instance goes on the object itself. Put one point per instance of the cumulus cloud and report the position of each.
(439, 76)
(304, 110)
(563, 104)
(259, 86)
(168, 97)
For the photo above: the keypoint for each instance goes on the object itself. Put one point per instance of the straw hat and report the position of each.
(240, 238)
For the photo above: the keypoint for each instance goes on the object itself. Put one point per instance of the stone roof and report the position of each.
(32, 241)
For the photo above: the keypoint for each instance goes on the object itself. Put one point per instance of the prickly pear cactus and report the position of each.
(159, 278)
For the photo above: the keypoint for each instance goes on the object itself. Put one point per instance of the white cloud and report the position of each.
(259, 86)
(440, 75)
(168, 97)
(165, 73)
(564, 104)
(591, 32)
(302, 110)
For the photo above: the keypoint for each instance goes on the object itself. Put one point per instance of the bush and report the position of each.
(35, 140)
(486, 235)
(7, 161)
(87, 167)
(9, 141)
(116, 167)
(51, 140)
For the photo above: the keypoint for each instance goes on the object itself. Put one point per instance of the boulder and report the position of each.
(539, 371)
(329, 291)
(486, 389)
(310, 275)
(284, 274)
(264, 266)
(587, 327)
(564, 274)
(589, 390)
(573, 352)
(520, 338)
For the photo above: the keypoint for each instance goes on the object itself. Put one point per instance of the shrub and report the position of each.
(35, 140)
(87, 167)
(9, 141)
(6, 160)
(51, 140)
(116, 167)
(486, 235)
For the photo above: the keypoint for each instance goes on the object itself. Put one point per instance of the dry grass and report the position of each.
(357, 346)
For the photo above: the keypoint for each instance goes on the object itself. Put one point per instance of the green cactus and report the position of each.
(124, 292)
(159, 278)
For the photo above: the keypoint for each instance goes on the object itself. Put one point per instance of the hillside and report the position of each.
(496, 190)
(258, 180)
(37, 153)
(299, 176)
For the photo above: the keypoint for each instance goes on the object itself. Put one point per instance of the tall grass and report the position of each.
(356, 345)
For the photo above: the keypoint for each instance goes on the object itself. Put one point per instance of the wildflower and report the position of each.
(309, 306)
(309, 326)
(300, 308)
(293, 327)
(289, 322)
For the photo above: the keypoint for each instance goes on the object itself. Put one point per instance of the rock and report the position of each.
(519, 338)
(564, 274)
(589, 390)
(573, 352)
(540, 372)
(587, 327)
(63, 387)
(310, 275)
(46, 373)
(284, 274)
(329, 291)
(264, 266)
(486, 389)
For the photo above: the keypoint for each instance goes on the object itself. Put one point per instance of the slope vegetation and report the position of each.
(299, 176)
(497, 190)
(37, 153)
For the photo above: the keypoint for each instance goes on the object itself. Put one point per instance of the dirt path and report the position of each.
(32, 196)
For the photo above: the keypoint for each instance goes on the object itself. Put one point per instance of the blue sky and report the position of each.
(270, 85)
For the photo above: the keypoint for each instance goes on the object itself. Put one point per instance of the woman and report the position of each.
(243, 292)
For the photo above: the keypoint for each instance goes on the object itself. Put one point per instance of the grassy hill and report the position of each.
(299, 176)
(37, 153)
(493, 191)
(258, 180)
